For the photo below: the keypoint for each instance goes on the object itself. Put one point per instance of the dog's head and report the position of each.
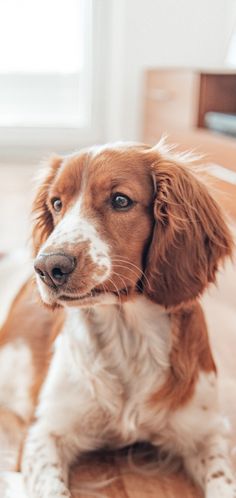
(113, 221)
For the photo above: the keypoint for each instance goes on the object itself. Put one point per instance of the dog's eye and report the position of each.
(121, 202)
(56, 204)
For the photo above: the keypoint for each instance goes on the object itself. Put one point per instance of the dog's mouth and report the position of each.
(94, 293)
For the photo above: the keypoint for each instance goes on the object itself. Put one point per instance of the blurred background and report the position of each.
(79, 72)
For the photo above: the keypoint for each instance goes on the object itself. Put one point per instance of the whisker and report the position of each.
(122, 280)
(126, 268)
(120, 260)
(130, 279)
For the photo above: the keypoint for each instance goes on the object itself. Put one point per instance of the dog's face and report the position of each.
(99, 204)
(114, 221)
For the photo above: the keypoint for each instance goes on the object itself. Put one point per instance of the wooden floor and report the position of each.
(16, 192)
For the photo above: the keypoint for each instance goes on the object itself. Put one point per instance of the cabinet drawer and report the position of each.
(171, 98)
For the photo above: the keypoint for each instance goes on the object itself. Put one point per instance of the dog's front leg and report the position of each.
(68, 422)
(211, 468)
(44, 465)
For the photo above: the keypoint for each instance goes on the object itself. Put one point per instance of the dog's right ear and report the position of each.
(190, 236)
(42, 222)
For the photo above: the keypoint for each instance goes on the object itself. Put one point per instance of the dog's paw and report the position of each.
(12, 485)
(221, 487)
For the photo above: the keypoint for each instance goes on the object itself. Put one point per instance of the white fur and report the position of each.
(73, 229)
(107, 362)
(203, 408)
(12, 485)
(98, 362)
(200, 436)
(90, 398)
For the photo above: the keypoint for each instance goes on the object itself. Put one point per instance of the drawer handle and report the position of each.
(161, 95)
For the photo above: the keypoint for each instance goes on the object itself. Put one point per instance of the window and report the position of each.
(44, 74)
(51, 58)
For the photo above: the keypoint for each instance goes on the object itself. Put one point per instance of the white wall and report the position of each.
(231, 17)
(152, 33)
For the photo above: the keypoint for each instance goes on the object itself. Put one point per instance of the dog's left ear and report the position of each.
(42, 222)
(190, 237)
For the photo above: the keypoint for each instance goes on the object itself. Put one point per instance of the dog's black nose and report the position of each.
(54, 269)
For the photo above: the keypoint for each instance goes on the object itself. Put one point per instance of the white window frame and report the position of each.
(18, 142)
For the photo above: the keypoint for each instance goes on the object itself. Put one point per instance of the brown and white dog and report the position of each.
(126, 239)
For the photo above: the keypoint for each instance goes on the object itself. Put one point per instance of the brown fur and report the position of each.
(98, 178)
(42, 220)
(176, 239)
(169, 246)
(190, 353)
(37, 326)
(190, 237)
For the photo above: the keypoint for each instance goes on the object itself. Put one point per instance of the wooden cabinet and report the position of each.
(175, 104)
(170, 101)
(178, 99)
(217, 93)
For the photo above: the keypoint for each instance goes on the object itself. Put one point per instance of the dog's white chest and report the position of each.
(105, 367)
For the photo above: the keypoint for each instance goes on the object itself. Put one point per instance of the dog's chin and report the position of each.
(85, 301)
(92, 298)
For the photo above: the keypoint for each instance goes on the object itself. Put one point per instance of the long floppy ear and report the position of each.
(190, 236)
(42, 224)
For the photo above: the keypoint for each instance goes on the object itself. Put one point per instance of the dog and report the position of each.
(126, 239)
